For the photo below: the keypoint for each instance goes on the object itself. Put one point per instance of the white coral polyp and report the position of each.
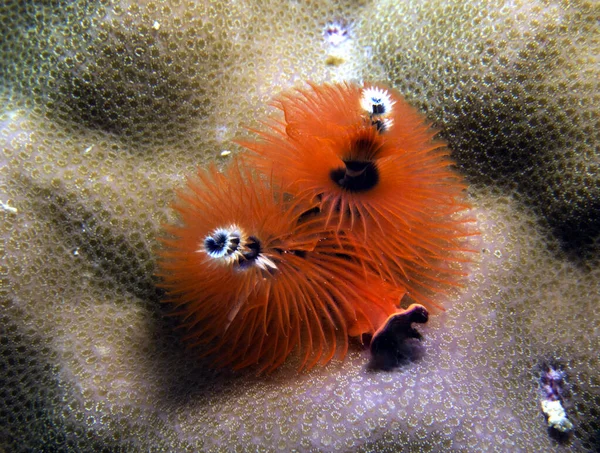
(556, 415)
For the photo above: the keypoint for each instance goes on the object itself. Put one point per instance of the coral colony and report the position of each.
(352, 210)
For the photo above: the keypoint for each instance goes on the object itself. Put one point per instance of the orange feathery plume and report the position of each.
(256, 276)
(372, 165)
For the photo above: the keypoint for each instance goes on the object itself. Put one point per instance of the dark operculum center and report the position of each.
(359, 173)
(254, 249)
(356, 176)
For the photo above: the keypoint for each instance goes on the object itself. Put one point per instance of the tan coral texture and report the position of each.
(107, 105)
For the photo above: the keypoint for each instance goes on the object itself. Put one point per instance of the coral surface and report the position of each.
(106, 105)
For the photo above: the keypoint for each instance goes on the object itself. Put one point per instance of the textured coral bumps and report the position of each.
(353, 206)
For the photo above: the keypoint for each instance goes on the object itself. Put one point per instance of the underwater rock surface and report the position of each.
(107, 105)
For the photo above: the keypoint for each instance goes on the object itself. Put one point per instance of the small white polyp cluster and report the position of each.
(336, 33)
(556, 415)
(553, 389)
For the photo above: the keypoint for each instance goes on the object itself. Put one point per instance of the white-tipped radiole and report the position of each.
(224, 243)
(378, 104)
(376, 101)
(232, 247)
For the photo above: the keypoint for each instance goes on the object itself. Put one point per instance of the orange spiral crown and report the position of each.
(366, 210)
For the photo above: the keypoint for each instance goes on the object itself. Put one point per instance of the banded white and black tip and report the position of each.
(223, 243)
(378, 103)
(232, 246)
